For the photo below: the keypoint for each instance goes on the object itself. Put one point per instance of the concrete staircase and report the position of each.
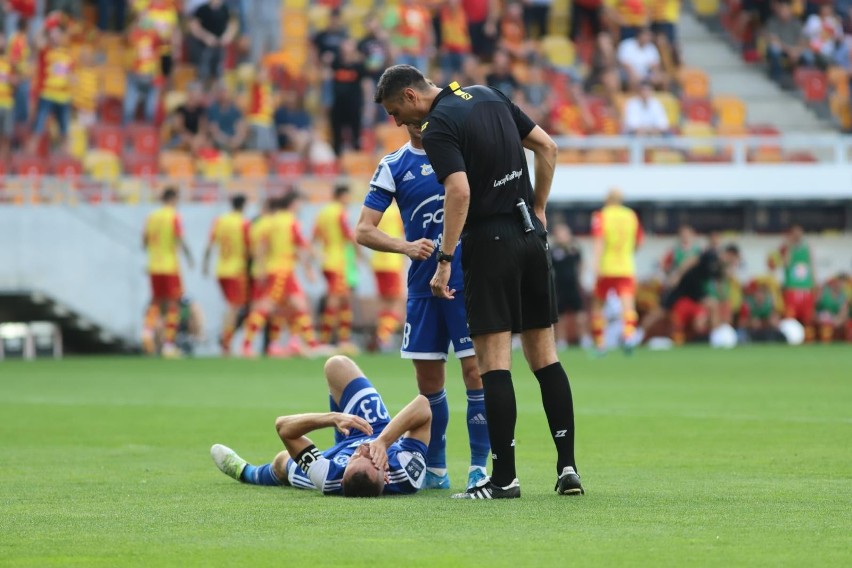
(730, 75)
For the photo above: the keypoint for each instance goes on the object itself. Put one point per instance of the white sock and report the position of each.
(439, 471)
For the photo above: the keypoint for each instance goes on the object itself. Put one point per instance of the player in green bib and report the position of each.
(796, 259)
(759, 313)
(832, 308)
(685, 250)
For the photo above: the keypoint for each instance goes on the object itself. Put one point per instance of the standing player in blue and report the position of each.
(431, 324)
(373, 454)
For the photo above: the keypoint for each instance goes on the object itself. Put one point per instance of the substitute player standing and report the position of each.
(475, 139)
(333, 234)
(431, 324)
(230, 235)
(616, 235)
(799, 286)
(162, 238)
(387, 267)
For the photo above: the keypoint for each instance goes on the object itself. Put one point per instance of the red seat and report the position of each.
(111, 110)
(142, 165)
(288, 164)
(29, 165)
(107, 137)
(144, 139)
(329, 168)
(65, 166)
(697, 110)
(814, 84)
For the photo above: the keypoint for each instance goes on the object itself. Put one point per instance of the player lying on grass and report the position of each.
(372, 455)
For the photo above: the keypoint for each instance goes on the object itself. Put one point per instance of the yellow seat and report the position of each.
(838, 78)
(706, 8)
(177, 164)
(102, 165)
(665, 156)
(216, 168)
(182, 76)
(730, 110)
(692, 129)
(672, 106)
(694, 83)
(113, 81)
(78, 140)
(251, 165)
(391, 137)
(358, 163)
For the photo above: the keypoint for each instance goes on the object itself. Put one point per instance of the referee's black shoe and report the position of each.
(484, 489)
(569, 483)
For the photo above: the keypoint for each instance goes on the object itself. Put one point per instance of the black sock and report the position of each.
(559, 408)
(501, 413)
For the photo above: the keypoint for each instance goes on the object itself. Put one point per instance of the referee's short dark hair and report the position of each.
(395, 79)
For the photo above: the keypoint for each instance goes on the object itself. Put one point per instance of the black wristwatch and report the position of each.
(444, 257)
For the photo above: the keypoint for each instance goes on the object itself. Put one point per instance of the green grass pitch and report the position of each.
(690, 458)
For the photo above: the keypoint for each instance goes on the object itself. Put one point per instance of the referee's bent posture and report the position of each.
(475, 139)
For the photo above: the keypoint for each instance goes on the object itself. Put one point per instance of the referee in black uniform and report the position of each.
(475, 139)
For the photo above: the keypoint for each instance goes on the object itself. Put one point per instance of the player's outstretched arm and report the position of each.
(544, 148)
(368, 234)
(293, 429)
(414, 421)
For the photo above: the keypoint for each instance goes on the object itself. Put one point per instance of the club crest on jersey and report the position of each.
(426, 169)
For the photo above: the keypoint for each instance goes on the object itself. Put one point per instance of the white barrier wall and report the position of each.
(91, 259)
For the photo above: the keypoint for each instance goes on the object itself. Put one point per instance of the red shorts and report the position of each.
(282, 285)
(389, 284)
(258, 288)
(685, 310)
(623, 286)
(166, 287)
(234, 290)
(336, 282)
(799, 304)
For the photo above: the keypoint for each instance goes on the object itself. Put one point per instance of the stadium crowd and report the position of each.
(257, 261)
(283, 87)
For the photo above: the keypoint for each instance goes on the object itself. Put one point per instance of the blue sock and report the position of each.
(477, 428)
(259, 475)
(436, 455)
(338, 437)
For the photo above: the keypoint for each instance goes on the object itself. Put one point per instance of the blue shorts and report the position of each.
(362, 399)
(431, 325)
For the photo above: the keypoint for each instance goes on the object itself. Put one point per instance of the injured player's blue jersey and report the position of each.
(406, 467)
(407, 176)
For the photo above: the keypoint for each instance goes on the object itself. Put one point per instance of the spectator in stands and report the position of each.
(227, 125)
(589, 12)
(629, 17)
(604, 60)
(56, 83)
(537, 16)
(513, 32)
(501, 77)
(111, 15)
(472, 72)
(87, 88)
(824, 34)
(73, 9)
(573, 115)
(664, 17)
(534, 96)
(644, 114)
(263, 27)
(482, 16)
(190, 121)
(164, 20)
(19, 54)
(350, 87)
(326, 49)
(215, 26)
(143, 77)
(293, 124)
(455, 40)
(261, 113)
(786, 47)
(375, 48)
(411, 34)
(8, 79)
(640, 59)
(843, 59)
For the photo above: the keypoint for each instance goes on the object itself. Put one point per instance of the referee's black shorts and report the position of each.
(508, 277)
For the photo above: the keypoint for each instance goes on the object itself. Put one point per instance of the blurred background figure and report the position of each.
(567, 268)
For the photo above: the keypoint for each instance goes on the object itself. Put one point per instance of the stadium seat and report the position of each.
(251, 165)
(706, 8)
(325, 168)
(78, 140)
(802, 157)
(65, 166)
(694, 83)
(390, 136)
(28, 165)
(205, 191)
(113, 81)
(288, 165)
(840, 109)
(110, 110)
(699, 130)
(730, 110)
(559, 51)
(102, 165)
(697, 110)
(141, 165)
(569, 156)
(355, 163)
(177, 164)
(838, 78)
(144, 139)
(182, 76)
(672, 106)
(766, 156)
(813, 83)
(664, 156)
(107, 137)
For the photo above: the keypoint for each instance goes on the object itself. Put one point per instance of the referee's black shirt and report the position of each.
(479, 131)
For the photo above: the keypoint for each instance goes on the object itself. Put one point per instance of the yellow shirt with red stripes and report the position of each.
(283, 240)
(619, 228)
(332, 231)
(162, 238)
(6, 96)
(56, 70)
(230, 233)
